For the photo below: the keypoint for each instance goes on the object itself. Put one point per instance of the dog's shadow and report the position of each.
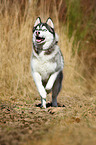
(49, 105)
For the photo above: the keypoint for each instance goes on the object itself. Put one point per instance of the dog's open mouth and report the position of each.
(39, 39)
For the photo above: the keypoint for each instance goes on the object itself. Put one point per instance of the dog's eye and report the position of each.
(37, 29)
(34, 29)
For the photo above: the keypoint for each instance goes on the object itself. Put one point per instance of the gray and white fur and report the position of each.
(46, 61)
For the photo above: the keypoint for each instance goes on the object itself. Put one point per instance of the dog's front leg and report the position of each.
(40, 87)
(51, 81)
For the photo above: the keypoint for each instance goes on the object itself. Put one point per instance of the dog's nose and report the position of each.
(37, 32)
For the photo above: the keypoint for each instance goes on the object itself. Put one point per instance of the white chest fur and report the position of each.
(43, 65)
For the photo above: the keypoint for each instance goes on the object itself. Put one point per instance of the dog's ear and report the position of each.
(49, 22)
(38, 20)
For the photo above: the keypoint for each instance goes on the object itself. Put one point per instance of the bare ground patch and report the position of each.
(73, 122)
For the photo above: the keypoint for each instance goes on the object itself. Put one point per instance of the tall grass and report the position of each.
(81, 17)
(15, 48)
(16, 22)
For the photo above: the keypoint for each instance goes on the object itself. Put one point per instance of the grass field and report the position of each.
(21, 119)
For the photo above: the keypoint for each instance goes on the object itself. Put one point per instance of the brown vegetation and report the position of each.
(21, 120)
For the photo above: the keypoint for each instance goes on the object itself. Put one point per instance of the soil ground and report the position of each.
(73, 122)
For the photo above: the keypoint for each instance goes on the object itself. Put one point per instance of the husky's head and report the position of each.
(43, 34)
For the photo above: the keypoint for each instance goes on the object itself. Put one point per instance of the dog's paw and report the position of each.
(54, 104)
(43, 107)
(43, 103)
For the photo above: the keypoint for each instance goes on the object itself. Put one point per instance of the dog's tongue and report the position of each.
(38, 40)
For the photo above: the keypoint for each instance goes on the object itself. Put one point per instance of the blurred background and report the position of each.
(75, 23)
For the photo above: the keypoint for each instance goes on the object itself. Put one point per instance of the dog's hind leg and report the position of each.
(56, 88)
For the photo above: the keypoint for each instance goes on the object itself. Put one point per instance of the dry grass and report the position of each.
(16, 41)
(15, 50)
(16, 83)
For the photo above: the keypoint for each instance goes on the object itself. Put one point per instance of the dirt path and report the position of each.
(72, 123)
(19, 123)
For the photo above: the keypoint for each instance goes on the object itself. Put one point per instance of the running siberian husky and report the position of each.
(47, 61)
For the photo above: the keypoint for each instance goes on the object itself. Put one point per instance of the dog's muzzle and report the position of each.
(39, 39)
